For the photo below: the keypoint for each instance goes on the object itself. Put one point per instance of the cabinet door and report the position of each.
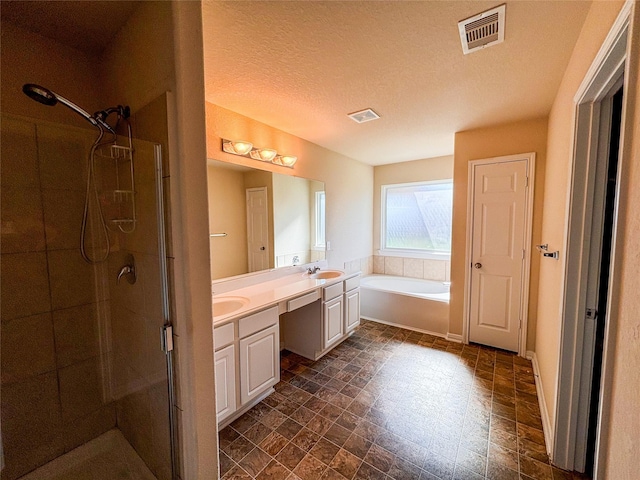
(259, 363)
(333, 322)
(351, 309)
(225, 371)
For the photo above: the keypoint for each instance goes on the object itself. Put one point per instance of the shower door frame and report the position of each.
(167, 328)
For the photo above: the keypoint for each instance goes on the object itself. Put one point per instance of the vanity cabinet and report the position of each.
(259, 363)
(333, 324)
(225, 371)
(247, 362)
(351, 309)
(316, 328)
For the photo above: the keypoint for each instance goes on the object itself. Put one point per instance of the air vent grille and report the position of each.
(362, 116)
(482, 30)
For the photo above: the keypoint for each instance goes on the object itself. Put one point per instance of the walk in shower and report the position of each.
(86, 382)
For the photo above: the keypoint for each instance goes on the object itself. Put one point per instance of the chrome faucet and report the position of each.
(312, 270)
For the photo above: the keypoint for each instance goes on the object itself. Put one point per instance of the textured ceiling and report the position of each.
(302, 66)
(88, 26)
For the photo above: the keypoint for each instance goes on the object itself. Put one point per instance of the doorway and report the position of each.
(498, 251)
(608, 183)
(588, 314)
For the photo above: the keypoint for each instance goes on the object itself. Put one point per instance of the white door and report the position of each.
(257, 229)
(225, 372)
(259, 362)
(498, 206)
(333, 326)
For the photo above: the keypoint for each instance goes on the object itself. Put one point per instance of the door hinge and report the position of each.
(591, 313)
(166, 338)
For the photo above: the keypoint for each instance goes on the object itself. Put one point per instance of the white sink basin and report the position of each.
(226, 305)
(326, 274)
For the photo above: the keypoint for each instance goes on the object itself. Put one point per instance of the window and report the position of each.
(416, 218)
(320, 201)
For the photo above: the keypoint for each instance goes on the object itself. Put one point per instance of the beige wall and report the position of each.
(621, 438)
(510, 139)
(64, 70)
(348, 183)
(227, 214)
(556, 179)
(139, 64)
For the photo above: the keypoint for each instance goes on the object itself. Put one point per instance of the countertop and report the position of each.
(273, 292)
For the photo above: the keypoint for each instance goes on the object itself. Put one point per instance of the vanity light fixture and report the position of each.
(237, 147)
(286, 160)
(263, 154)
(246, 149)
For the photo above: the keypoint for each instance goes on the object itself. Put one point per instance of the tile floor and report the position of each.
(390, 403)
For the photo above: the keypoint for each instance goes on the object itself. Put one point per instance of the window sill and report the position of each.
(415, 254)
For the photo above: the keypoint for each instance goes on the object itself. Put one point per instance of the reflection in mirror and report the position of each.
(260, 220)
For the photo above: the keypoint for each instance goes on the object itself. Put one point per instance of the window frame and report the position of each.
(407, 252)
(320, 220)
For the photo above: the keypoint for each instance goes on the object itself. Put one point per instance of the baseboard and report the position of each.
(544, 413)
(454, 337)
(405, 327)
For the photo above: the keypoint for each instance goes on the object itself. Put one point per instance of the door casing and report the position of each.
(609, 65)
(526, 267)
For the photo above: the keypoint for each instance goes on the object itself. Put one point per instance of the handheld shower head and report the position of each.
(40, 94)
(49, 98)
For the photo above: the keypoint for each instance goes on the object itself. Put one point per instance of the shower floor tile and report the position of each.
(390, 403)
(104, 458)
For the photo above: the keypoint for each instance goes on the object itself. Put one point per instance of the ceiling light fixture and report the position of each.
(246, 149)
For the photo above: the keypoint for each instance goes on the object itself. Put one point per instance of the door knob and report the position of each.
(261, 248)
(477, 265)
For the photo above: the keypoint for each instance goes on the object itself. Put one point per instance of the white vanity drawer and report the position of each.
(302, 300)
(332, 291)
(222, 336)
(351, 283)
(257, 321)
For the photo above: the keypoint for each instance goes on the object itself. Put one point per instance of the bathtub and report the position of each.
(416, 304)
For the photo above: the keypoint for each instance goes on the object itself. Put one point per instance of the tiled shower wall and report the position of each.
(427, 269)
(80, 353)
(54, 305)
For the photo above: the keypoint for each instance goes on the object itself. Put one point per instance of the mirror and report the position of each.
(260, 220)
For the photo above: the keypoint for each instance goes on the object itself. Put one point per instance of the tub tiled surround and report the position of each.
(364, 265)
(427, 269)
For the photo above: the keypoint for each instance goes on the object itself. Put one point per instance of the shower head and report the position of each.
(49, 98)
(40, 94)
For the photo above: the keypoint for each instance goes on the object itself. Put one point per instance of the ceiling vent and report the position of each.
(363, 116)
(482, 30)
